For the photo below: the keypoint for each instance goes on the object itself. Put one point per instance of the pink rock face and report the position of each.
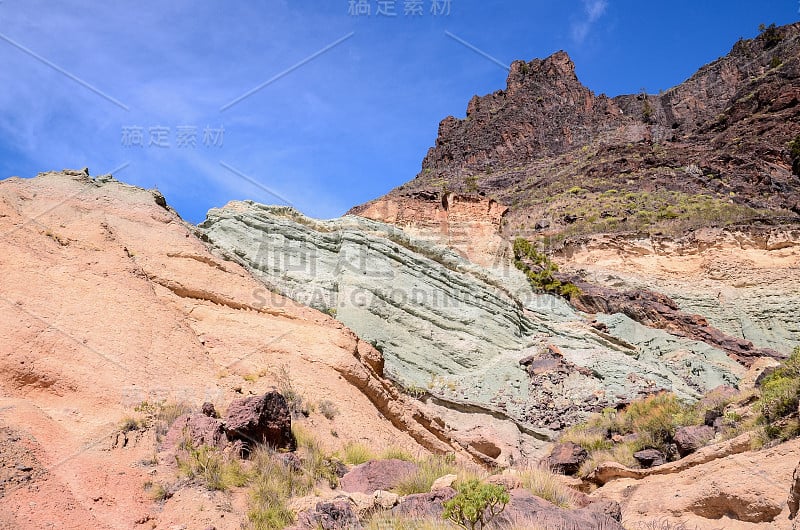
(261, 420)
(377, 475)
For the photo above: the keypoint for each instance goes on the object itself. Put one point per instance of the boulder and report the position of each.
(366, 504)
(209, 410)
(261, 420)
(567, 458)
(690, 439)
(650, 457)
(424, 504)
(337, 514)
(196, 429)
(377, 475)
(444, 482)
(526, 510)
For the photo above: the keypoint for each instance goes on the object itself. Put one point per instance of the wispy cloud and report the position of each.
(592, 11)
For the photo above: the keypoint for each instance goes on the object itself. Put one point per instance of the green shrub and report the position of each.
(272, 485)
(540, 270)
(130, 424)
(157, 491)
(772, 35)
(317, 464)
(397, 454)
(215, 470)
(293, 398)
(780, 391)
(476, 504)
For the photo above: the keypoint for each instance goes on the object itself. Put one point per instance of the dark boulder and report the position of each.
(261, 420)
(650, 457)
(334, 515)
(195, 430)
(423, 505)
(690, 439)
(567, 458)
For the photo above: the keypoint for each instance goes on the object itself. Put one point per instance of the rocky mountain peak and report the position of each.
(711, 151)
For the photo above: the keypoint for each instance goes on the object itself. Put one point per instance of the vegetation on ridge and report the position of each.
(540, 270)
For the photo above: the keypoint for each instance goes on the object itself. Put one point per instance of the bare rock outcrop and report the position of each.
(566, 458)
(375, 475)
(261, 420)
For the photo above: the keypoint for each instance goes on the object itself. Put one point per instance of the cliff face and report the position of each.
(111, 303)
(476, 339)
(713, 150)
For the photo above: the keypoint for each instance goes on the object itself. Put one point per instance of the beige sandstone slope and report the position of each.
(108, 300)
(740, 491)
(744, 280)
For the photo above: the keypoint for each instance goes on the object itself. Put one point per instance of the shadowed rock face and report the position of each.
(458, 330)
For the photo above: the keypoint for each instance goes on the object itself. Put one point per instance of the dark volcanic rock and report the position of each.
(650, 457)
(659, 311)
(261, 419)
(794, 493)
(566, 458)
(377, 475)
(424, 504)
(690, 439)
(722, 133)
(527, 509)
(335, 515)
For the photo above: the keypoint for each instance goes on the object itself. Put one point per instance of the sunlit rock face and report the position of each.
(458, 330)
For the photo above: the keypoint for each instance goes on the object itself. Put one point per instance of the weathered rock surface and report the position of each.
(375, 475)
(529, 510)
(744, 281)
(459, 330)
(566, 458)
(690, 439)
(794, 493)
(111, 302)
(559, 155)
(332, 515)
(261, 420)
(741, 491)
(424, 504)
(650, 457)
(196, 429)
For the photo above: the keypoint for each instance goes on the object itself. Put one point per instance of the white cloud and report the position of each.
(592, 11)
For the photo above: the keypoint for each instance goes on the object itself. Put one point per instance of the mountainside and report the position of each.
(481, 337)
(387, 355)
(711, 151)
(111, 303)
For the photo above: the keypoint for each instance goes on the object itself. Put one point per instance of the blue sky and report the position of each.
(346, 105)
